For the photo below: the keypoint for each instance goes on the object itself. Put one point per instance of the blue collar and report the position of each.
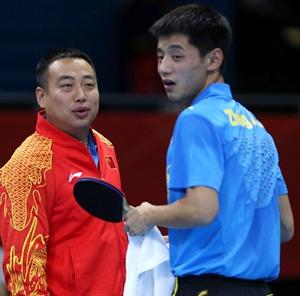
(214, 89)
(92, 147)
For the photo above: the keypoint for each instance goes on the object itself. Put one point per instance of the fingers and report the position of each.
(135, 223)
(131, 232)
(137, 229)
(126, 206)
(126, 228)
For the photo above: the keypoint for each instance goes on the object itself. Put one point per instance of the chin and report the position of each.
(176, 98)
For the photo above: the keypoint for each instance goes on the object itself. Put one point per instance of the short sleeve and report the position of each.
(281, 185)
(197, 155)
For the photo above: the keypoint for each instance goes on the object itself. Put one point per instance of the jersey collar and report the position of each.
(216, 89)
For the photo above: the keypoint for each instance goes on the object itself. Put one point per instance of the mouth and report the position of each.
(81, 112)
(168, 84)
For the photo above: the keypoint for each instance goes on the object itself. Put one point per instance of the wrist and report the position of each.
(149, 215)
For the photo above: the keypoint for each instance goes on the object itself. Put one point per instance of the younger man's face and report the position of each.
(183, 72)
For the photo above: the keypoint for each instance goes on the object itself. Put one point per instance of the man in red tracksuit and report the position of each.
(51, 245)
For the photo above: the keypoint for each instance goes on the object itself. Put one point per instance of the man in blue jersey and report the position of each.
(228, 208)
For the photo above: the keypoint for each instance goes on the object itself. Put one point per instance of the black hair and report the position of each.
(205, 27)
(57, 54)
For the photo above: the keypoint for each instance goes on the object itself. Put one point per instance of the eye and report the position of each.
(159, 57)
(90, 85)
(66, 86)
(177, 57)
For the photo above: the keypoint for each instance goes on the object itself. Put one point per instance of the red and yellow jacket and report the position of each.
(52, 246)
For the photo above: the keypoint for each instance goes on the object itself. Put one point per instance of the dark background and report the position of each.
(264, 56)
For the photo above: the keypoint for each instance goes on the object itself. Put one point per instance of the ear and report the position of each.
(215, 59)
(40, 95)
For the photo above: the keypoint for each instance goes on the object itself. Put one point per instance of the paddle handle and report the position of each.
(126, 206)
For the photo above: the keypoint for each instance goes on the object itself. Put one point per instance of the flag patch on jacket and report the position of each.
(111, 163)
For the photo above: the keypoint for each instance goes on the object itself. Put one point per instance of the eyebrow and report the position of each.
(173, 46)
(92, 77)
(65, 77)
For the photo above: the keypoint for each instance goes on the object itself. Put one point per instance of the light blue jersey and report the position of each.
(218, 143)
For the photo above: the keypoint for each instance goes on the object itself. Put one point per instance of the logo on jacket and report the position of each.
(74, 175)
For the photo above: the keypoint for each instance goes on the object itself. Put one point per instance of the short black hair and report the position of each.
(205, 27)
(57, 54)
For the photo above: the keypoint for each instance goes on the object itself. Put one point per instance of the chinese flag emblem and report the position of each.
(110, 161)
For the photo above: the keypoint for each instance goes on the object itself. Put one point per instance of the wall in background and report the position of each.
(264, 57)
(141, 140)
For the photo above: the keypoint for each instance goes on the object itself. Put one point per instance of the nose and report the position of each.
(80, 94)
(164, 66)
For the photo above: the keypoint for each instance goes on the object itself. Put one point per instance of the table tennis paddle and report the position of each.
(100, 199)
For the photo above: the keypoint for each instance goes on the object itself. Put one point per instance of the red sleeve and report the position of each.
(24, 227)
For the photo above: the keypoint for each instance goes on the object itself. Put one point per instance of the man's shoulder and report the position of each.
(34, 149)
(212, 112)
(102, 139)
(31, 158)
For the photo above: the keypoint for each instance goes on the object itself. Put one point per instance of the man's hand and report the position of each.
(136, 219)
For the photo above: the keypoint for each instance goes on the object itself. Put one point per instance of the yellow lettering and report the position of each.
(236, 119)
(230, 114)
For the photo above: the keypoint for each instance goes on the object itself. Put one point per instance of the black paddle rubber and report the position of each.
(100, 199)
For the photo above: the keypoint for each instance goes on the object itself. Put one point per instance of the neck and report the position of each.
(213, 78)
(84, 142)
(83, 138)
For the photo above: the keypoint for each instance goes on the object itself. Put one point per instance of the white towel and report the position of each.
(148, 270)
